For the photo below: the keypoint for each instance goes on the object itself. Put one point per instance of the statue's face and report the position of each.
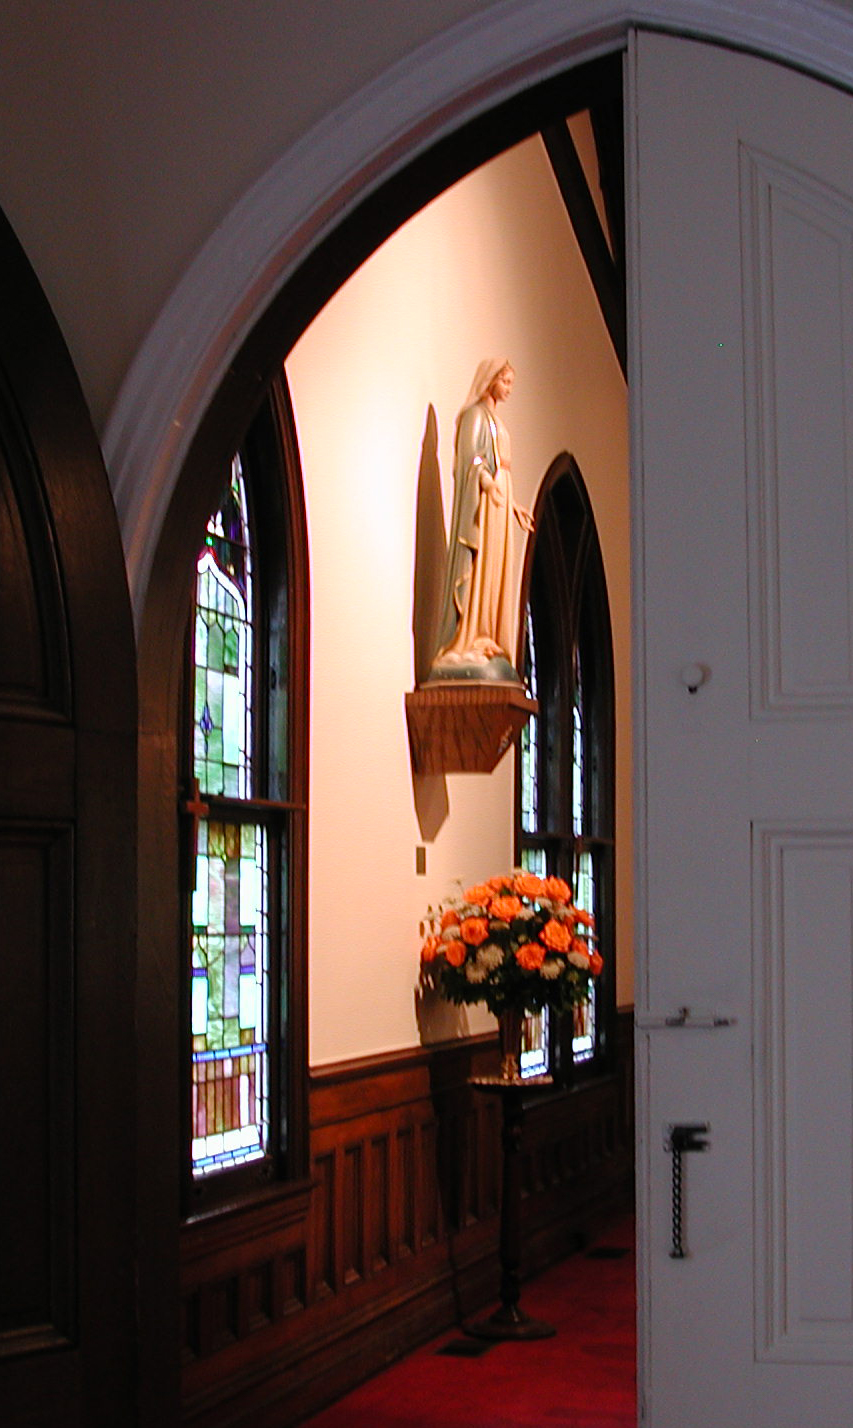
(502, 385)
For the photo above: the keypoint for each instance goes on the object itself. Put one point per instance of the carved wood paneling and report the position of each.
(292, 1302)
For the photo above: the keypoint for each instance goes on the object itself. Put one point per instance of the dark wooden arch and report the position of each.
(67, 888)
(253, 373)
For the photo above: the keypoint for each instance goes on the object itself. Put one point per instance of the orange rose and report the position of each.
(557, 890)
(555, 935)
(505, 908)
(500, 884)
(585, 918)
(596, 962)
(454, 952)
(528, 885)
(449, 918)
(530, 956)
(430, 948)
(480, 893)
(474, 930)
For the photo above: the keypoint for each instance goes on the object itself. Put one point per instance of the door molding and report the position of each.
(271, 232)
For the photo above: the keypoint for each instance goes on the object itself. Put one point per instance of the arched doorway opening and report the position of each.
(715, 1023)
(162, 640)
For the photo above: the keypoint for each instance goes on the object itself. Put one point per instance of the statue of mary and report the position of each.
(477, 627)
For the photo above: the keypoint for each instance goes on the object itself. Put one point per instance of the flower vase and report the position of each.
(510, 1028)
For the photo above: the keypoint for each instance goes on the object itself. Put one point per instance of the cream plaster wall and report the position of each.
(489, 267)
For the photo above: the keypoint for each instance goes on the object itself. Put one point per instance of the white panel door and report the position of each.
(742, 188)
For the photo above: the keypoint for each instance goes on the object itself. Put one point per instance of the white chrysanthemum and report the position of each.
(551, 969)
(579, 959)
(526, 912)
(450, 934)
(475, 971)
(489, 956)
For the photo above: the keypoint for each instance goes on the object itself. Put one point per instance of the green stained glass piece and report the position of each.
(214, 1028)
(215, 647)
(201, 655)
(231, 650)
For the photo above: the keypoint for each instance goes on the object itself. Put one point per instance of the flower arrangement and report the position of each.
(516, 942)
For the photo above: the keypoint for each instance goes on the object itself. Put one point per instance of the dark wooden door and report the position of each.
(67, 873)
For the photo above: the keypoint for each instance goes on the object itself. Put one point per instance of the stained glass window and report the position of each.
(223, 653)
(243, 801)
(230, 923)
(230, 980)
(565, 764)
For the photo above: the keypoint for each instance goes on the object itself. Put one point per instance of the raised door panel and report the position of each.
(37, 1288)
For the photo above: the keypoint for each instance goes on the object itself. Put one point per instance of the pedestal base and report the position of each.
(510, 1323)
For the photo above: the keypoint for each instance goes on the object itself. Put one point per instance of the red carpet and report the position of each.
(584, 1377)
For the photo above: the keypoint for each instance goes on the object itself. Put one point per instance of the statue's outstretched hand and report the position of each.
(524, 518)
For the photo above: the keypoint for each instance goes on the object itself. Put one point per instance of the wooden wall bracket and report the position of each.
(465, 727)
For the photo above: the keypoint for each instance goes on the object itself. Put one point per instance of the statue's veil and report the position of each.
(483, 377)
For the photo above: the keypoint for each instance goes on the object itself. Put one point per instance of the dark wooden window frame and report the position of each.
(279, 548)
(563, 581)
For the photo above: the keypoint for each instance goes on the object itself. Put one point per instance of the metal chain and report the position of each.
(677, 1251)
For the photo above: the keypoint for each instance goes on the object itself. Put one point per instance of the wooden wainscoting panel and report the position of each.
(379, 1204)
(354, 1205)
(403, 1183)
(288, 1304)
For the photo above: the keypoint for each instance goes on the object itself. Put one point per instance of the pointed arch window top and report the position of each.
(223, 649)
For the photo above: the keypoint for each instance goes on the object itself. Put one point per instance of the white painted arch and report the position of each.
(464, 71)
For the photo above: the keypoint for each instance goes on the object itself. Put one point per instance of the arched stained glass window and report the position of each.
(246, 803)
(230, 924)
(566, 762)
(223, 651)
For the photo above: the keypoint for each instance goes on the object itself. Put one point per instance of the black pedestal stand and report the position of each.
(510, 1322)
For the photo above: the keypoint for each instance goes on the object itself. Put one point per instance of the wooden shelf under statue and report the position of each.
(464, 728)
(473, 705)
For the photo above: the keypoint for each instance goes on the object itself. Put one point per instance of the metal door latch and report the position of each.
(684, 1019)
(679, 1139)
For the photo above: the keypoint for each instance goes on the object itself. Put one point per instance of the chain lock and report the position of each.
(679, 1140)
